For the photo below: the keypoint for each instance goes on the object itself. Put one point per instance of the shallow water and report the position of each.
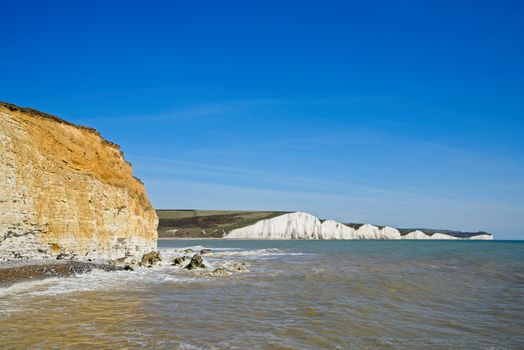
(297, 295)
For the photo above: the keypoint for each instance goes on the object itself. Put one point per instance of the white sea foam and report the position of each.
(27, 286)
(163, 272)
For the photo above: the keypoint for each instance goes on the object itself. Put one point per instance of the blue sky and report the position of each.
(403, 113)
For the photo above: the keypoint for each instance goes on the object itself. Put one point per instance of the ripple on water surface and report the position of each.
(296, 295)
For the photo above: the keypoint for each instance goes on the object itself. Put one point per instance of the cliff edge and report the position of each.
(306, 226)
(67, 192)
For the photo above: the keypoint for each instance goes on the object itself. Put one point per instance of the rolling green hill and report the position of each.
(206, 223)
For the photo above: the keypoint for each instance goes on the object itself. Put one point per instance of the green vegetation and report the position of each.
(207, 223)
(188, 223)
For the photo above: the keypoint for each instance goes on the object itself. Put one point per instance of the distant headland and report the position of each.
(286, 225)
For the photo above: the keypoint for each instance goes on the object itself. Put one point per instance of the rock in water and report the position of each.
(196, 263)
(150, 259)
(205, 251)
(127, 263)
(65, 191)
(220, 272)
(179, 260)
(239, 267)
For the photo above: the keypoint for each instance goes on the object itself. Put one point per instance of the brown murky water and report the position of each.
(297, 295)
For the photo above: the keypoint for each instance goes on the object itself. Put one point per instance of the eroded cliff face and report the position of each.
(306, 226)
(65, 191)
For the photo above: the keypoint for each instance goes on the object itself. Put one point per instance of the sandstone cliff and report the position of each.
(65, 191)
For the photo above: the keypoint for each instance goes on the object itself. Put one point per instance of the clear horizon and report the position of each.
(388, 112)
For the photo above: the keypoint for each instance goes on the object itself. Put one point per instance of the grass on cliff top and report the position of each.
(207, 223)
(190, 223)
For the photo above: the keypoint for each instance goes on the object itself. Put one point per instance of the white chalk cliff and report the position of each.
(301, 225)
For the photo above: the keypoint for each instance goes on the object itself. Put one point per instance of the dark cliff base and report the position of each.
(27, 271)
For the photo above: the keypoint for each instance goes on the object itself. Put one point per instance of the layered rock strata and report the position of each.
(66, 192)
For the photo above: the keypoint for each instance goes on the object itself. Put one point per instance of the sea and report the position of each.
(295, 295)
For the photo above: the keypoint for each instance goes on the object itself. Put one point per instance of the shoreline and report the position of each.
(188, 238)
(13, 272)
(334, 240)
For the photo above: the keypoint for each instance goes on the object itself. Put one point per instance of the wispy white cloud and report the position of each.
(371, 171)
(217, 108)
(435, 212)
(320, 187)
(202, 110)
